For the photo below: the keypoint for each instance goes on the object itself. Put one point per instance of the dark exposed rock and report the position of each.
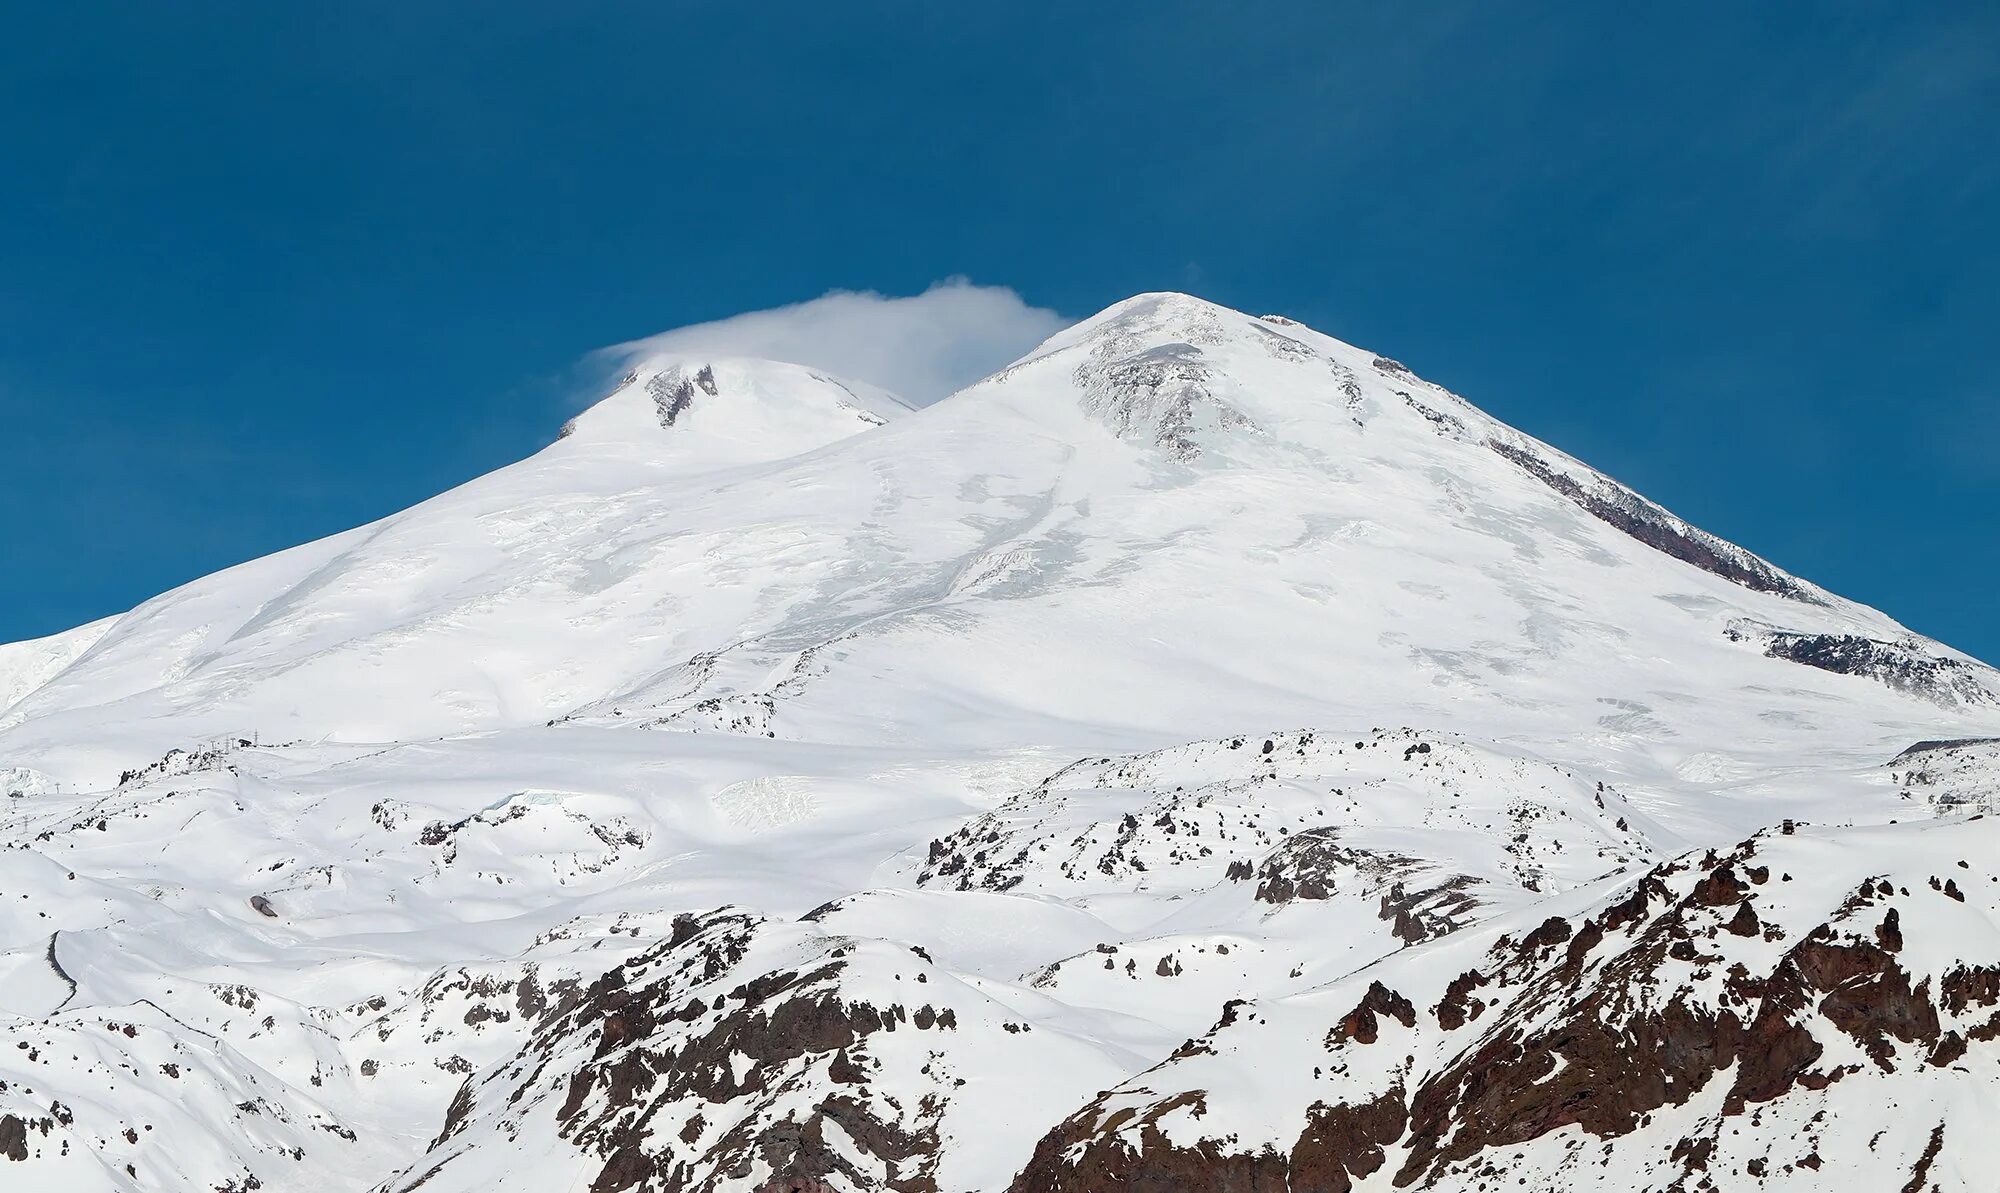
(13, 1137)
(1720, 889)
(1086, 1155)
(1655, 527)
(56, 965)
(1745, 922)
(1553, 931)
(673, 391)
(455, 1114)
(1586, 1035)
(1921, 1174)
(1363, 1024)
(647, 1056)
(1343, 1142)
(1162, 395)
(1889, 934)
(1445, 424)
(1866, 994)
(795, 1184)
(1905, 666)
(1965, 987)
(1579, 1071)
(1315, 865)
(1458, 1006)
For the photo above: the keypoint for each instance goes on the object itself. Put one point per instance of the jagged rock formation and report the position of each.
(743, 1052)
(1908, 665)
(1620, 507)
(1765, 1016)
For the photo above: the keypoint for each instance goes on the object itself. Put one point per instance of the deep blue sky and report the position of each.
(268, 271)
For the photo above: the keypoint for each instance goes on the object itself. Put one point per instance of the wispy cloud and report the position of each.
(920, 347)
(1903, 124)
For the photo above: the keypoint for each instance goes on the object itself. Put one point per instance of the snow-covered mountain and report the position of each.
(1201, 755)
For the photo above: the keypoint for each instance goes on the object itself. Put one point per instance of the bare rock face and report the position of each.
(743, 1053)
(1147, 380)
(1722, 1016)
(1910, 666)
(13, 1137)
(1620, 507)
(1412, 895)
(673, 391)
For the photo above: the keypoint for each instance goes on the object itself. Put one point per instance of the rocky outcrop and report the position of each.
(741, 1053)
(1907, 666)
(1632, 514)
(674, 389)
(1413, 896)
(1162, 396)
(1653, 1027)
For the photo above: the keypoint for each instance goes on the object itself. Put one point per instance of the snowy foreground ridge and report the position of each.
(1202, 756)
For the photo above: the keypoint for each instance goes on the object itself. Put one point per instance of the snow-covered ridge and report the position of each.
(734, 411)
(1801, 1008)
(766, 786)
(25, 666)
(708, 539)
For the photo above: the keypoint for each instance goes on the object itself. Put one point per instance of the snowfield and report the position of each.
(1202, 755)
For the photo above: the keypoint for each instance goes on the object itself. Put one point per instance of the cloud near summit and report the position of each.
(920, 347)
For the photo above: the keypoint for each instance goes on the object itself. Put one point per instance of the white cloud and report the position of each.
(920, 347)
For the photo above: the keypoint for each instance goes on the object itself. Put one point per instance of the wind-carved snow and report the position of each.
(762, 805)
(768, 786)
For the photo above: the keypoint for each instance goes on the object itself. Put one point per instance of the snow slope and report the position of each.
(1798, 1012)
(770, 783)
